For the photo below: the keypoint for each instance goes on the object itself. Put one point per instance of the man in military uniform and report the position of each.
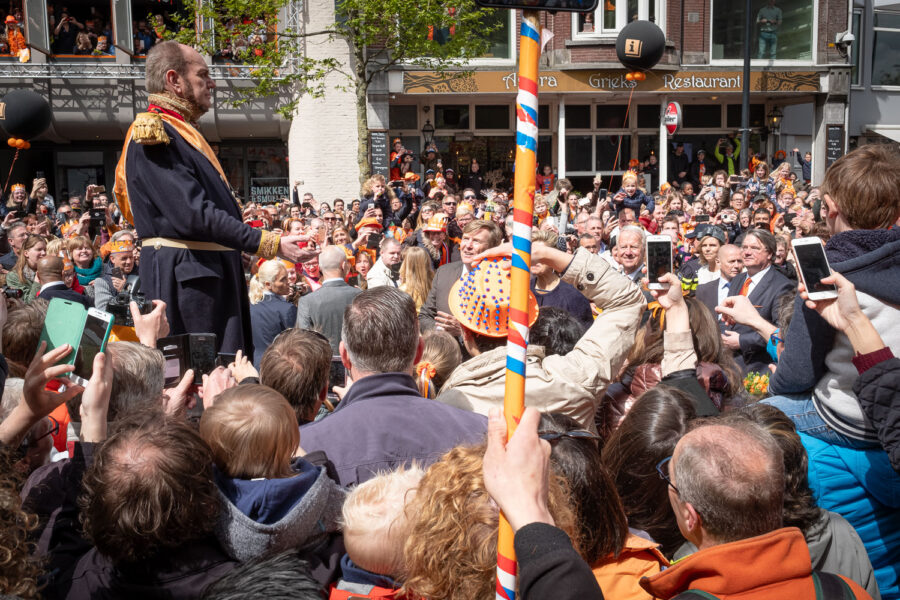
(170, 184)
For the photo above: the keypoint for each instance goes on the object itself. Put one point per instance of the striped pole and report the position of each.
(526, 162)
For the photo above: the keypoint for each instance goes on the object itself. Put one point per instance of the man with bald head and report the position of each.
(713, 293)
(726, 488)
(49, 274)
(323, 310)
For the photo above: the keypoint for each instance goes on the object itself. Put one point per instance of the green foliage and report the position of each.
(380, 33)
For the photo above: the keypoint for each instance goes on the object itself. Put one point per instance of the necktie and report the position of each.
(746, 287)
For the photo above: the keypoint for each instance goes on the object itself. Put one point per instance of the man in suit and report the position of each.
(763, 285)
(713, 293)
(49, 273)
(323, 310)
(478, 236)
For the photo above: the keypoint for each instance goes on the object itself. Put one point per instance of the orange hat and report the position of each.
(480, 299)
(436, 223)
(633, 163)
(410, 176)
(397, 141)
(629, 174)
(369, 222)
(10, 19)
(17, 186)
(664, 187)
(122, 245)
(66, 227)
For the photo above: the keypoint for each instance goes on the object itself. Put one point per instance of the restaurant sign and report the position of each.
(429, 82)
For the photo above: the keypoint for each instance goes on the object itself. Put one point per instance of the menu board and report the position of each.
(379, 153)
(834, 144)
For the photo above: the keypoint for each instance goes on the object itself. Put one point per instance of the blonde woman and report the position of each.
(416, 275)
(270, 312)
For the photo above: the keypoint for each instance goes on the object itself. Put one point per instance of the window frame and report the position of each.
(875, 30)
(762, 62)
(512, 19)
(857, 48)
(621, 19)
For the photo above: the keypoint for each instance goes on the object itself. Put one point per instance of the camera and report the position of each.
(12, 292)
(121, 310)
(843, 40)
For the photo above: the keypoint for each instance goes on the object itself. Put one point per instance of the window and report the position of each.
(403, 117)
(81, 29)
(578, 116)
(886, 49)
(701, 115)
(855, 46)
(578, 152)
(544, 116)
(608, 146)
(492, 117)
(648, 116)
(501, 42)
(451, 116)
(781, 30)
(611, 116)
(757, 115)
(613, 15)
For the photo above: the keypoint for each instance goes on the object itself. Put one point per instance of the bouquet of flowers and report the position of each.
(757, 384)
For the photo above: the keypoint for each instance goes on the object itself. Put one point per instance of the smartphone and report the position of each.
(94, 336)
(100, 189)
(337, 377)
(98, 214)
(659, 260)
(63, 324)
(117, 272)
(202, 355)
(813, 267)
(374, 241)
(223, 359)
(19, 214)
(702, 218)
(603, 193)
(788, 217)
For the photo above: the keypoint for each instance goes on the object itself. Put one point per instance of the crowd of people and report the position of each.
(351, 444)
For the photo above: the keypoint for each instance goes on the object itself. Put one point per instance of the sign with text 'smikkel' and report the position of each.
(269, 189)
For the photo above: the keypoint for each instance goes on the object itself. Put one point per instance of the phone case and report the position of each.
(63, 325)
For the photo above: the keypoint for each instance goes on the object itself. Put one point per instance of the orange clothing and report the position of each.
(61, 414)
(15, 39)
(773, 565)
(619, 577)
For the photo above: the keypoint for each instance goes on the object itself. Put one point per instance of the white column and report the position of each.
(663, 152)
(561, 139)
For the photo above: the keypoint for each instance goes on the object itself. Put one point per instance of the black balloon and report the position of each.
(640, 45)
(25, 115)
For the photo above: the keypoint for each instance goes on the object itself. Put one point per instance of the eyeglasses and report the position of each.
(469, 197)
(662, 469)
(575, 434)
(329, 218)
(449, 203)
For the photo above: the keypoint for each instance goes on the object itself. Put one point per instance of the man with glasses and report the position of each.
(763, 285)
(726, 488)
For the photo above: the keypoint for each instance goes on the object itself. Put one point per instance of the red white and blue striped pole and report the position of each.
(523, 213)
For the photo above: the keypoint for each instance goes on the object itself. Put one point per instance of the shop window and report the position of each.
(886, 49)
(608, 146)
(611, 116)
(544, 116)
(258, 173)
(578, 116)
(701, 115)
(579, 152)
(648, 116)
(492, 117)
(612, 15)
(403, 116)
(451, 116)
(781, 30)
(757, 115)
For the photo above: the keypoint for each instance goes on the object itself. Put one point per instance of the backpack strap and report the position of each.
(831, 587)
(695, 595)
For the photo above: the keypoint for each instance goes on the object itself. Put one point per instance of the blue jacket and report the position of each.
(634, 202)
(383, 422)
(269, 317)
(861, 486)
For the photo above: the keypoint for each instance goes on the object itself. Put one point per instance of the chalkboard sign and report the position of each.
(834, 144)
(379, 153)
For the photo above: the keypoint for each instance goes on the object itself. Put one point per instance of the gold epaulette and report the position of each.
(148, 129)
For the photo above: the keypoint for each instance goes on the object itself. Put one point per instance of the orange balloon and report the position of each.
(629, 76)
(27, 146)
(640, 76)
(11, 142)
(20, 144)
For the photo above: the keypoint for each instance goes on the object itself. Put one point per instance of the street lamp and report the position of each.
(428, 132)
(773, 120)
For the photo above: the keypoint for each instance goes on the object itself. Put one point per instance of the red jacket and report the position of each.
(773, 565)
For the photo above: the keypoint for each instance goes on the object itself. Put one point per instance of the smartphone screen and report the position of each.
(338, 375)
(659, 260)
(814, 267)
(374, 241)
(203, 355)
(92, 340)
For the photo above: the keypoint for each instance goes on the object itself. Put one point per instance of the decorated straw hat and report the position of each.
(123, 245)
(436, 223)
(480, 299)
(410, 176)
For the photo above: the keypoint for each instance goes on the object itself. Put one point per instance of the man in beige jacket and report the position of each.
(569, 384)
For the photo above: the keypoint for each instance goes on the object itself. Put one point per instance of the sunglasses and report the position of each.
(468, 197)
(576, 434)
(449, 203)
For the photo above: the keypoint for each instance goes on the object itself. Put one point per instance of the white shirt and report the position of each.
(724, 286)
(52, 283)
(755, 279)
